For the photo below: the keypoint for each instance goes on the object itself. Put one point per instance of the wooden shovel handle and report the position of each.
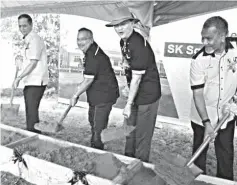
(64, 114)
(207, 140)
(13, 88)
(12, 95)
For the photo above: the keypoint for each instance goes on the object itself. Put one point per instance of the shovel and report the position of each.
(205, 143)
(183, 171)
(53, 127)
(115, 133)
(10, 110)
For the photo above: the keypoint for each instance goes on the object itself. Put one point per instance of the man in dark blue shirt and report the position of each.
(100, 84)
(143, 81)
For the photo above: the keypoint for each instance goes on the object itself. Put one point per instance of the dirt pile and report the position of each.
(9, 137)
(102, 165)
(106, 166)
(69, 157)
(10, 179)
(143, 177)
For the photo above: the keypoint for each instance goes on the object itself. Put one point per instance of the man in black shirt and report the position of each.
(143, 81)
(100, 84)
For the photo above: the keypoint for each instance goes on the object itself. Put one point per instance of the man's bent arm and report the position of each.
(134, 85)
(29, 68)
(83, 86)
(200, 103)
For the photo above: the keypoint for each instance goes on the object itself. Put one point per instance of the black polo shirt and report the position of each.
(141, 60)
(104, 88)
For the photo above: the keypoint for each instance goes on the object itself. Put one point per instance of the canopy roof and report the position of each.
(151, 13)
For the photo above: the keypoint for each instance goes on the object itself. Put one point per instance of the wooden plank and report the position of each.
(18, 130)
(22, 141)
(215, 180)
(126, 174)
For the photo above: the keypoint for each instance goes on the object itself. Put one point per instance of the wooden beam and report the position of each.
(18, 130)
(22, 141)
(215, 180)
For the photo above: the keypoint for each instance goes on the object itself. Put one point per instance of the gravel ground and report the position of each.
(170, 139)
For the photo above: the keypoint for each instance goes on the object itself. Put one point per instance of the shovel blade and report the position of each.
(48, 127)
(196, 171)
(175, 175)
(180, 161)
(176, 160)
(9, 110)
(174, 170)
(115, 133)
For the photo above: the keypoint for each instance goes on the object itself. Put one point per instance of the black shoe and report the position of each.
(100, 147)
(92, 144)
(36, 131)
(129, 155)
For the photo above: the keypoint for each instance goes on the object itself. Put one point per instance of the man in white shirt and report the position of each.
(214, 82)
(35, 71)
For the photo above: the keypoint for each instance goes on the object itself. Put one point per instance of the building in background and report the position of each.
(71, 60)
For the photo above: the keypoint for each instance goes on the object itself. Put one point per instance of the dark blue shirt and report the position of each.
(104, 88)
(141, 59)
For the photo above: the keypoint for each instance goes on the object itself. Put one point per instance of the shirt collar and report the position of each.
(208, 54)
(227, 47)
(92, 48)
(28, 36)
(129, 38)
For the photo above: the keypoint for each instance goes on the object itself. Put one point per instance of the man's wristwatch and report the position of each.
(205, 121)
(130, 103)
(75, 96)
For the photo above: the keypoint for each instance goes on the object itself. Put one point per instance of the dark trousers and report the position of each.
(138, 143)
(32, 96)
(98, 118)
(224, 149)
